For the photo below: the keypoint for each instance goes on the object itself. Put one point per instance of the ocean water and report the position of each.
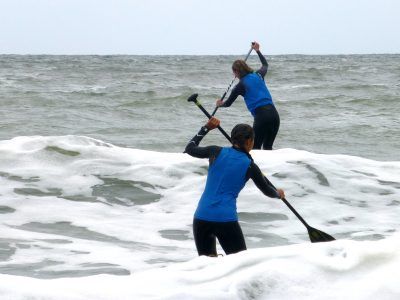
(328, 104)
(97, 198)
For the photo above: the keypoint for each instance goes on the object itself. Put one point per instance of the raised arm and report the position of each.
(264, 68)
(193, 148)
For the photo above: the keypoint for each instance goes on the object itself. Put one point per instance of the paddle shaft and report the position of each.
(296, 213)
(229, 87)
(209, 116)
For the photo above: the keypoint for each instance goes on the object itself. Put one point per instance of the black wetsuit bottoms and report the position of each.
(229, 235)
(266, 126)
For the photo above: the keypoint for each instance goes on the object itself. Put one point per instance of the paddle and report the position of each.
(315, 235)
(234, 78)
(193, 98)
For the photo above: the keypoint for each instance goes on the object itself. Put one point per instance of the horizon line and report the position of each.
(121, 54)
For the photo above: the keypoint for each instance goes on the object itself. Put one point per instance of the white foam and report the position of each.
(50, 182)
(336, 270)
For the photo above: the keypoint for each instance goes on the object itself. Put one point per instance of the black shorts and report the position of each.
(229, 235)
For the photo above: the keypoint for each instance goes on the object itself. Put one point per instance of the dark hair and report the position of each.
(241, 68)
(240, 134)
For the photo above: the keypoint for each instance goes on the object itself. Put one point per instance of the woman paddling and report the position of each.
(230, 168)
(258, 100)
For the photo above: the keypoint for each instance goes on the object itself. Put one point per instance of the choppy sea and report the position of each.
(97, 198)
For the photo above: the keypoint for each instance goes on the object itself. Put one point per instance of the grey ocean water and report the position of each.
(343, 104)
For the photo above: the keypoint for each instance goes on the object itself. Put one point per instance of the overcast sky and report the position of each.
(199, 27)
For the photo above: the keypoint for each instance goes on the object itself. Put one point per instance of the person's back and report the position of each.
(256, 92)
(226, 178)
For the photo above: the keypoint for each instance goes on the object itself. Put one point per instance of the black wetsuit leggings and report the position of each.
(229, 235)
(266, 126)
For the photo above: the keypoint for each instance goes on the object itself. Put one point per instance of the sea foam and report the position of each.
(336, 270)
(79, 214)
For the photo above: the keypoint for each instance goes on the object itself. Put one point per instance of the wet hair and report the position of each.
(241, 68)
(240, 134)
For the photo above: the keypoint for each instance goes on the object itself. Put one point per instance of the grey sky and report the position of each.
(199, 27)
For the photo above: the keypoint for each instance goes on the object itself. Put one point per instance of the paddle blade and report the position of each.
(317, 236)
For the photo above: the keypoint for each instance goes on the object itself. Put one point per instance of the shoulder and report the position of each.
(250, 76)
(216, 150)
(240, 84)
(240, 155)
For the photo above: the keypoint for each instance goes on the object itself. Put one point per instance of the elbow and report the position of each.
(190, 148)
(187, 149)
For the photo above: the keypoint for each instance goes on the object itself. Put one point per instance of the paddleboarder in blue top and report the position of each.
(258, 100)
(230, 168)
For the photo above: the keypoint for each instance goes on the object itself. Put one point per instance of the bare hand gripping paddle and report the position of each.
(315, 235)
